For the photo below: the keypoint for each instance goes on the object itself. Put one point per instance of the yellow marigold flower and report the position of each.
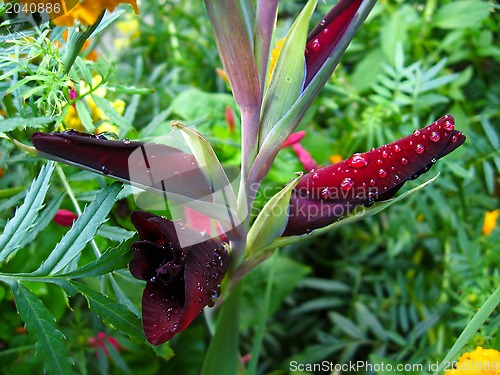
(274, 57)
(478, 362)
(87, 12)
(334, 159)
(129, 30)
(490, 221)
(106, 127)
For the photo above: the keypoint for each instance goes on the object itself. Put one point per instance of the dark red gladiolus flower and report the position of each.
(65, 218)
(154, 166)
(180, 282)
(329, 193)
(324, 38)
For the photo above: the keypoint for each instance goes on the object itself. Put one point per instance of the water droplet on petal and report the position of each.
(453, 138)
(104, 169)
(379, 161)
(397, 148)
(434, 137)
(322, 23)
(382, 173)
(315, 45)
(347, 184)
(357, 161)
(416, 133)
(325, 193)
(419, 149)
(315, 176)
(126, 141)
(385, 154)
(433, 160)
(449, 126)
(404, 161)
(372, 182)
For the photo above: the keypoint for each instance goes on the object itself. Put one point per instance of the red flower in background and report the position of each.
(101, 341)
(65, 218)
(180, 281)
(331, 192)
(302, 154)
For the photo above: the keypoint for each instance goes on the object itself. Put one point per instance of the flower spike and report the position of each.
(180, 282)
(331, 192)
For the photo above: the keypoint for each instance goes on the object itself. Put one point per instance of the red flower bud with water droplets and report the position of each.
(153, 166)
(331, 192)
(180, 281)
(65, 218)
(326, 36)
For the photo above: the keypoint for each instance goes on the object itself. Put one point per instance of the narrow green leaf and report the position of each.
(271, 221)
(288, 76)
(490, 132)
(41, 324)
(111, 312)
(115, 233)
(7, 125)
(476, 322)
(461, 14)
(224, 343)
(84, 115)
(109, 111)
(111, 260)
(84, 70)
(17, 228)
(354, 216)
(82, 231)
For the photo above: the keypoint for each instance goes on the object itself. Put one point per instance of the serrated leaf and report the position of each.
(111, 312)
(7, 125)
(17, 228)
(271, 221)
(82, 231)
(50, 342)
(288, 76)
(111, 260)
(349, 218)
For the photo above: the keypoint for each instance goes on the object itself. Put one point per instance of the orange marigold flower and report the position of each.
(477, 362)
(490, 221)
(334, 159)
(87, 12)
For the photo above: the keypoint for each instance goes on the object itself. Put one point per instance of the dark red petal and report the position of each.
(158, 167)
(148, 257)
(326, 35)
(154, 228)
(331, 192)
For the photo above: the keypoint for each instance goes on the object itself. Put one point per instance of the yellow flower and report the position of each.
(490, 221)
(72, 119)
(334, 159)
(478, 362)
(129, 30)
(274, 57)
(87, 12)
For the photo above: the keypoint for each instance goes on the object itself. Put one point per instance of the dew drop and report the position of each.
(382, 173)
(397, 148)
(393, 168)
(126, 141)
(372, 182)
(416, 133)
(357, 161)
(315, 176)
(104, 169)
(385, 154)
(453, 138)
(434, 137)
(404, 161)
(322, 23)
(175, 326)
(379, 161)
(325, 31)
(315, 45)
(347, 184)
(433, 160)
(449, 126)
(419, 149)
(325, 193)
(152, 296)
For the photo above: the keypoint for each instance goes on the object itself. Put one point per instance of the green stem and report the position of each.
(76, 40)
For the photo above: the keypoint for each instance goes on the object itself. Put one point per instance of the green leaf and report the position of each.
(50, 342)
(18, 227)
(84, 115)
(271, 221)
(7, 125)
(288, 76)
(111, 260)
(82, 231)
(112, 312)
(354, 216)
(109, 111)
(476, 322)
(224, 343)
(461, 14)
(115, 233)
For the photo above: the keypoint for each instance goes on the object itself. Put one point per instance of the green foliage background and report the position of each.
(400, 286)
